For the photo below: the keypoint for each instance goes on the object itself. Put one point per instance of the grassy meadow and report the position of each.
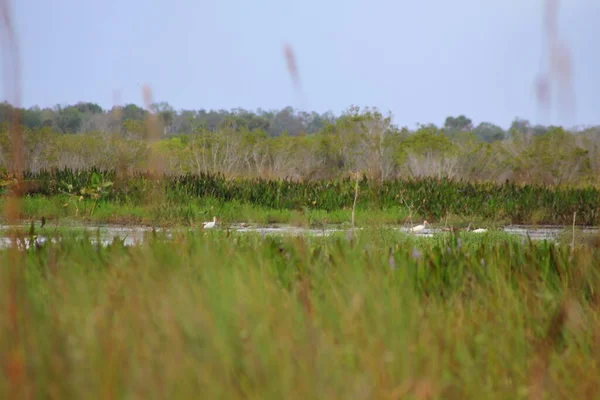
(379, 314)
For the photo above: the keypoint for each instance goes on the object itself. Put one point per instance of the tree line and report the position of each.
(298, 145)
(86, 117)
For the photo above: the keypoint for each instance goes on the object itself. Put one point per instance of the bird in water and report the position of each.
(478, 230)
(208, 225)
(419, 228)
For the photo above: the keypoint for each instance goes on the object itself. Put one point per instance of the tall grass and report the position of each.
(430, 198)
(382, 315)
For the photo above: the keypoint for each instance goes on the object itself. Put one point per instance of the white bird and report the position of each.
(419, 228)
(208, 225)
(478, 230)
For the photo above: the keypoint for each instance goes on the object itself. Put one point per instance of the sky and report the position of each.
(421, 60)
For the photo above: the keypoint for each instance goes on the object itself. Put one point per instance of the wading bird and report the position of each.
(208, 225)
(478, 230)
(419, 228)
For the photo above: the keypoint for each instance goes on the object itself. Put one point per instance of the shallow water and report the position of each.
(134, 234)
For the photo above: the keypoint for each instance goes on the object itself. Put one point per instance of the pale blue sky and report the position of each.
(422, 60)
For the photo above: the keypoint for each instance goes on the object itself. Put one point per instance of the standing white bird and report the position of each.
(208, 225)
(419, 228)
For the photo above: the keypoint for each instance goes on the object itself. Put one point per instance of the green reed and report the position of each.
(428, 198)
(376, 315)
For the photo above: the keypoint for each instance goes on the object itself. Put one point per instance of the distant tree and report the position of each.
(257, 122)
(489, 132)
(592, 131)
(429, 152)
(134, 127)
(210, 120)
(286, 120)
(32, 117)
(541, 129)
(554, 157)
(314, 122)
(520, 125)
(373, 130)
(165, 113)
(429, 127)
(458, 124)
(185, 121)
(48, 117)
(69, 119)
(91, 108)
(248, 119)
(6, 110)
(132, 111)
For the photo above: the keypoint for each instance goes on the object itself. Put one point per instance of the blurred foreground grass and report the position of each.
(379, 315)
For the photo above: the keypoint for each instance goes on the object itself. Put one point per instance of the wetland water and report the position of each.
(132, 234)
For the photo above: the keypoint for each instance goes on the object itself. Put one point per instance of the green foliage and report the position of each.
(87, 107)
(458, 124)
(238, 316)
(135, 127)
(133, 112)
(32, 118)
(96, 190)
(298, 145)
(428, 197)
(69, 120)
(488, 132)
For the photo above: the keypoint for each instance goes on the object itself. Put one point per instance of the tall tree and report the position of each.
(286, 120)
(69, 119)
(165, 113)
(489, 132)
(90, 108)
(132, 111)
(458, 124)
(520, 125)
(32, 117)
